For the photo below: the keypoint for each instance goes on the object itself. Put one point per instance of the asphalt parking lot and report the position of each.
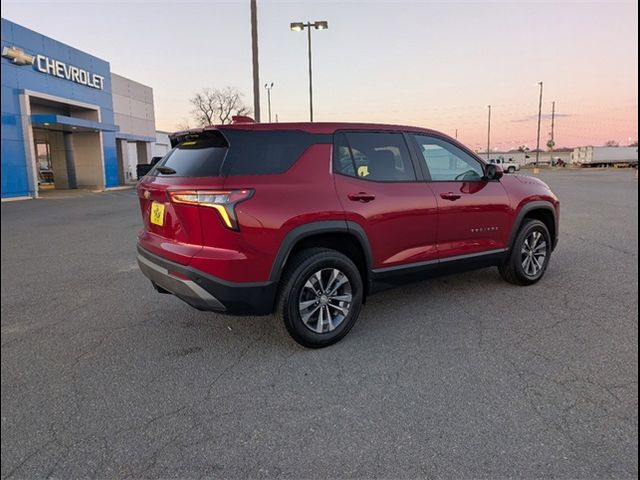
(459, 377)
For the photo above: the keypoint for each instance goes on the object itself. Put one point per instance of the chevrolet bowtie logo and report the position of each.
(17, 55)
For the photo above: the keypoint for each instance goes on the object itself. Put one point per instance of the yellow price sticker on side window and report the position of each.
(363, 170)
(157, 214)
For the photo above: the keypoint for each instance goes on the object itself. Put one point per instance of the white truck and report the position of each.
(508, 166)
(605, 156)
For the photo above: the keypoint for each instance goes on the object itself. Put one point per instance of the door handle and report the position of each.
(363, 197)
(450, 196)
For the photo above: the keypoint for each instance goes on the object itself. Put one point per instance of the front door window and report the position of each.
(446, 162)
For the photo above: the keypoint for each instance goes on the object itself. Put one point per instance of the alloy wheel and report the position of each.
(533, 254)
(325, 300)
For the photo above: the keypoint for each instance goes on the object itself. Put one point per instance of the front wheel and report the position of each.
(511, 169)
(529, 256)
(320, 297)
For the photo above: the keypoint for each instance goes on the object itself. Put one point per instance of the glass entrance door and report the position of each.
(44, 165)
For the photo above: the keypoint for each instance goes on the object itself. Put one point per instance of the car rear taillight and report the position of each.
(222, 201)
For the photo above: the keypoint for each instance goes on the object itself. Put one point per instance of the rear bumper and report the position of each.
(204, 291)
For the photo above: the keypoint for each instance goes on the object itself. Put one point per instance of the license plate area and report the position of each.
(156, 214)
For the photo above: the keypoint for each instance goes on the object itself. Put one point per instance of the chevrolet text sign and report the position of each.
(50, 66)
(68, 72)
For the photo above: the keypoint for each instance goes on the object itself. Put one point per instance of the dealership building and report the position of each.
(67, 120)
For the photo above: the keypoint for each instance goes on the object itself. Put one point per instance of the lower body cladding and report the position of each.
(205, 292)
(391, 277)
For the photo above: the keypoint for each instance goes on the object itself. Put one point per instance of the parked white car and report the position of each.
(508, 166)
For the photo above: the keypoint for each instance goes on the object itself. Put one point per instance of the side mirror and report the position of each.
(493, 172)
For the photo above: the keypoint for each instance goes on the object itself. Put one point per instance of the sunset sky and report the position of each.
(433, 64)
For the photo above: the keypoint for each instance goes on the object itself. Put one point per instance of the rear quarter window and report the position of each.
(266, 152)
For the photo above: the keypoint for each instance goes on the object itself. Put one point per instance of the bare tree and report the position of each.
(611, 143)
(524, 149)
(183, 124)
(213, 106)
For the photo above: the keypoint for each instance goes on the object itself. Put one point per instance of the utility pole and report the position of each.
(489, 133)
(539, 119)
(456, 133)
(254, 52)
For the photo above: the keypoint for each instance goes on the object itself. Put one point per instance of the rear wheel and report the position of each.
(511, 169)
(529, 255)
(320, 298)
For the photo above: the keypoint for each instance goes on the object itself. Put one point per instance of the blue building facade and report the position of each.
(57, 116)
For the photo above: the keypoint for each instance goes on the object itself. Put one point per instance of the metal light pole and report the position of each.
(310, 76)
(553, 121)
(552, 141)
(456, 133)
(269, 87)
(298, 27)
(254, 52)
(539, 119)
(489, 133)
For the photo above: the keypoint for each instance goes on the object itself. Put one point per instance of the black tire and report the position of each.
(300, 268)
(511, 169)
(512, 270)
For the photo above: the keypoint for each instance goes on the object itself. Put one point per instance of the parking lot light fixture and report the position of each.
(268, 87)
(298, 27)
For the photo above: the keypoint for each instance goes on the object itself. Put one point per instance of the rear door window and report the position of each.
(377, 156)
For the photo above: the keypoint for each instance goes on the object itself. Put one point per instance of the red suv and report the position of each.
(308, 219)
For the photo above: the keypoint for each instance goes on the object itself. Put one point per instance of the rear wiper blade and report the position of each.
(166, 170)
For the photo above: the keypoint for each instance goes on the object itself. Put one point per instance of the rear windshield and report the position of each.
(237, 152)
(199, 156)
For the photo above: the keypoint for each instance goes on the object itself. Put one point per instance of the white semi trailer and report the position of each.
(604, 156)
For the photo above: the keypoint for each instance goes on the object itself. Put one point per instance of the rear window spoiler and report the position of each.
(181, 136)
(191, 134)
(235, 119)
